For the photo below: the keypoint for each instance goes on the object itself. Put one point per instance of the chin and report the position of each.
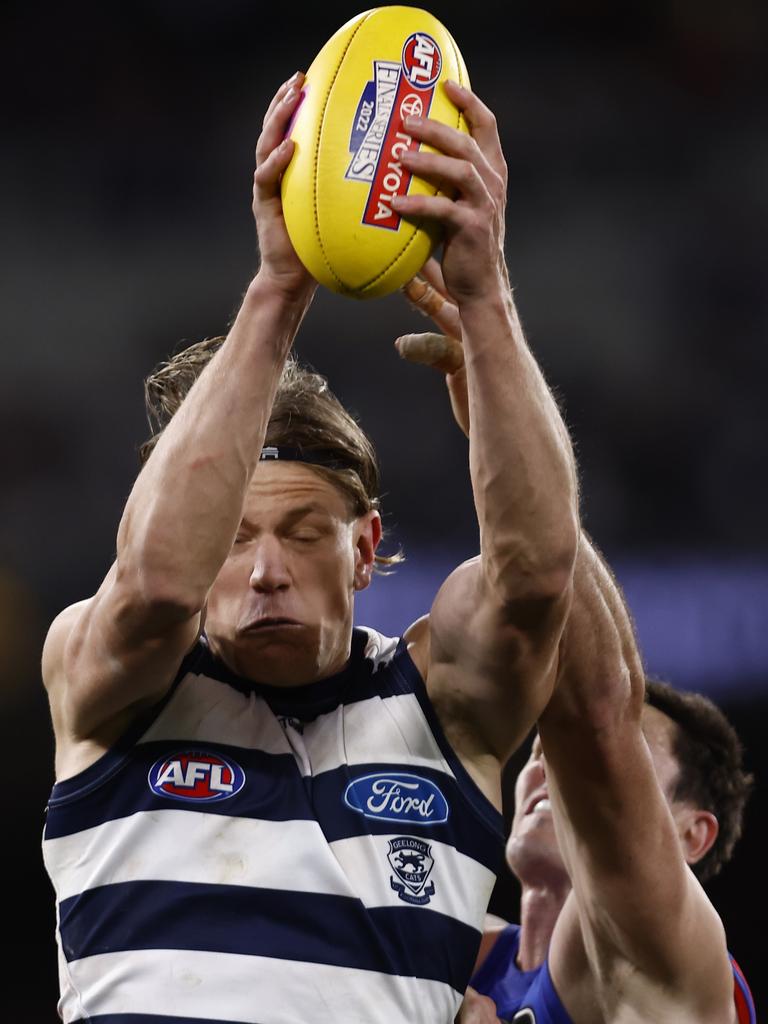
(274, 659)
(535, 854)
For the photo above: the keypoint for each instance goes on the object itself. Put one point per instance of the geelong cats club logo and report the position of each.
(197, 776)
(411, 860)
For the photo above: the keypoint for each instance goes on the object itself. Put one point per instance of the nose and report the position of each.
(270, 569)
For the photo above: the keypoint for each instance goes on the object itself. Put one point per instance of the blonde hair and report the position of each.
(306, 415)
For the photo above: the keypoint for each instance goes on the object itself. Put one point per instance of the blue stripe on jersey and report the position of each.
(274, 791)
(145, 1018)
(310, 927)
(358, 681)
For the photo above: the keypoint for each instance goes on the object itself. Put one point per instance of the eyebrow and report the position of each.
(312, 508)
(295, 514)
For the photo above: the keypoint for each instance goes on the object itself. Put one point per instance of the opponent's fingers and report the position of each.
(278, 118)
(426, 298)
(436, 350)
(482, 124)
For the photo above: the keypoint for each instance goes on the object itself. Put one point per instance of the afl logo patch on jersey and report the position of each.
(197, 776)
(397, 796)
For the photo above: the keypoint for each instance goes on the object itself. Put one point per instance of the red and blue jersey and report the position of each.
(529, 997)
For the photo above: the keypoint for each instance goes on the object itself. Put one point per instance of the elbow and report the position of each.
(152, 596)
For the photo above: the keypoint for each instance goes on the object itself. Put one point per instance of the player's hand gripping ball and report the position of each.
(383, 65)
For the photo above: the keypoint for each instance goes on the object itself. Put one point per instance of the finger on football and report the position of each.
(277, 123)
(295, 81)
(436, 350)
(481, 121)
(266, 179)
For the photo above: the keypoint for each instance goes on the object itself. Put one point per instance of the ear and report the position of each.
(698, 831)
(368, 532)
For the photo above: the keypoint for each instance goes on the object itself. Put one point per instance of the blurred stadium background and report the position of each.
(637, 241)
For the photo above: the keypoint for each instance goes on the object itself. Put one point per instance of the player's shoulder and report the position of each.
(56, 638)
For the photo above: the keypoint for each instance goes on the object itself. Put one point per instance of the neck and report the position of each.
(540, 907)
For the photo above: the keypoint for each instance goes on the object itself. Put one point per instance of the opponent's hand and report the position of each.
(477, 1009)
(273, 154)
(443, 352)
(472, 169)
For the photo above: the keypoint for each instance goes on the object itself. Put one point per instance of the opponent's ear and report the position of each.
(368, 531)
(698, 832)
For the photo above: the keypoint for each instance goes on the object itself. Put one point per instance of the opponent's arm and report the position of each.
(637, 912)
(495, 623)
(649, 931)
(122, 647)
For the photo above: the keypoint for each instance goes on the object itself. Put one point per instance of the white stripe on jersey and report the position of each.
(374, 730)
(462, 885)
(207, 709)
(217, 850)
(225, 986)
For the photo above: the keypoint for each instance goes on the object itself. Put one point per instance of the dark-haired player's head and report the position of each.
(710, 771)
(698, 759)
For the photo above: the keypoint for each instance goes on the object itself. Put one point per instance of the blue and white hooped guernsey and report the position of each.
(263, 855)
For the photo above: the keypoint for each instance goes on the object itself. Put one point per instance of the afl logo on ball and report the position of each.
(197, 776)
(422, 60)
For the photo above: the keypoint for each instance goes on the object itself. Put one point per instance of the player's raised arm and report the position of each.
(495, 623)
(636, 912)
(649, 931)
(106, 656)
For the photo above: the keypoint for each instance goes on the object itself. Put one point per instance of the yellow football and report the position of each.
(348, 131)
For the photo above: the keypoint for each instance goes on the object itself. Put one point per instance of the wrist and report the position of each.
(493, 304)
(286, 291)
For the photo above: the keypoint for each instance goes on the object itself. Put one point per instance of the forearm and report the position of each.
(591, 728)
(521, 460)
(185, 507)
(600, 681)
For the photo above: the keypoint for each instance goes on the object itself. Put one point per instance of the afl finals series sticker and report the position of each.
(378, 137)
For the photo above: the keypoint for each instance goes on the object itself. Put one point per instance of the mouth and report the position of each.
(539, 803)
(270, 622)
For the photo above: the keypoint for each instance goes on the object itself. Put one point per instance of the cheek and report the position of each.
(226, 583)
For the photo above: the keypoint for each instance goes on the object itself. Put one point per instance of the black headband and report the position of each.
(316, 456)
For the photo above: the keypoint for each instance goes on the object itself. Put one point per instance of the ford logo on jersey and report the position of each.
(196, 775)
(397, 796)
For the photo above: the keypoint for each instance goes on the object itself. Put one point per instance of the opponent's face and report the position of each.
(532, 850)
(281, 608)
